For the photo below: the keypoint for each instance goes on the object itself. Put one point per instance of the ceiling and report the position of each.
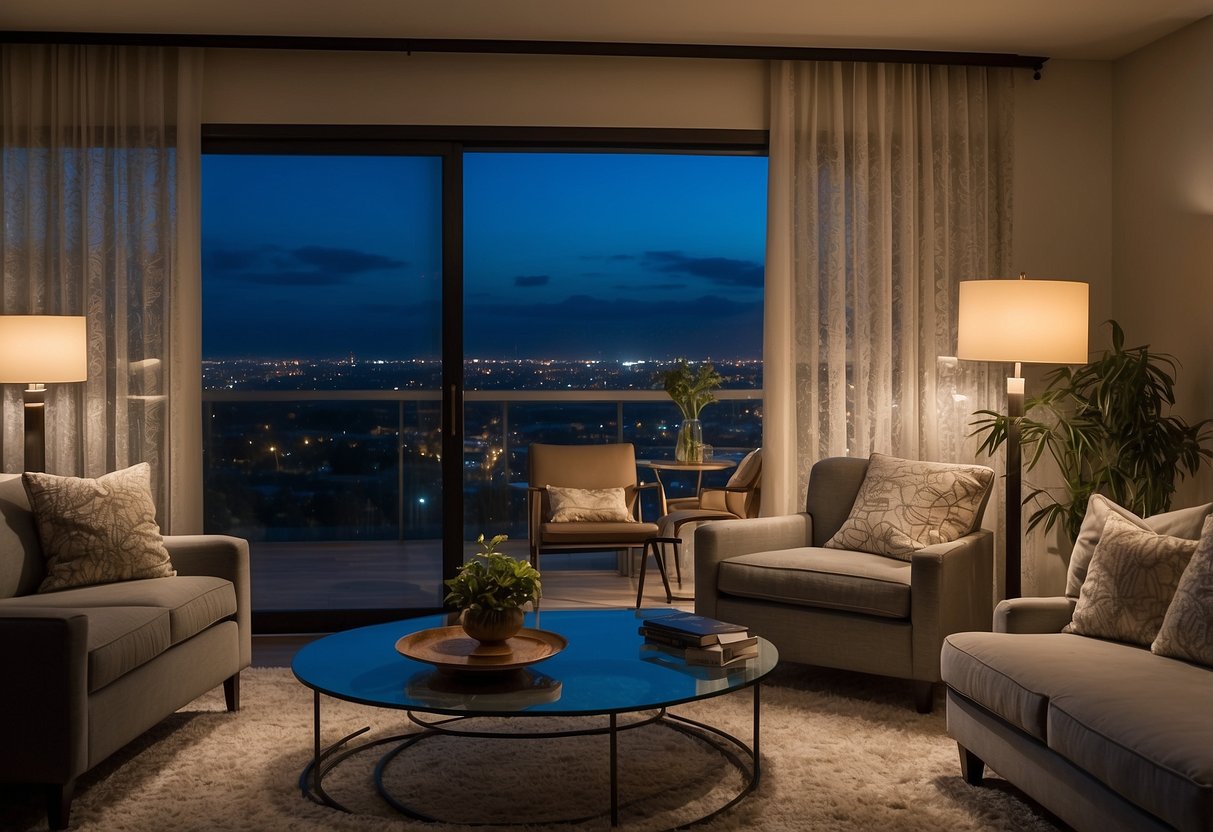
(1076, 29)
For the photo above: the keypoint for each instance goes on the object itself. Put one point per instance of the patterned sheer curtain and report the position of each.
(98, 146)
(889, 184)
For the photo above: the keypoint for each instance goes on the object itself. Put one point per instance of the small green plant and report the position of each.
(691, 389)
(493, 580)
(1104, 425)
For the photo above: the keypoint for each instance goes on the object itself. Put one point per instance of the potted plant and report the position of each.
(1104, 425)
(491, 590)
(691, 390)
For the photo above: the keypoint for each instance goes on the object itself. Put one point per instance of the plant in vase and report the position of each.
(491, 589)
(1104, 426)
(691, 390)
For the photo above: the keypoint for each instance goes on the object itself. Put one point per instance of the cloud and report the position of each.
(528, 280)
(272, 265)
(651, 287)
(723, 271)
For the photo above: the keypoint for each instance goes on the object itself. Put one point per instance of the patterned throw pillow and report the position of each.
(97, 531)
(1130, 583)
(570, 505)
(1187, 628)
(906, 505)
(1184, 522)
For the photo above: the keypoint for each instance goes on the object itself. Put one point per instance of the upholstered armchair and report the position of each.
(806, 583)
(584, 498)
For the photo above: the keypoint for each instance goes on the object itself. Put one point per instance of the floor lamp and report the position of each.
(1035, 321)
(37, 350)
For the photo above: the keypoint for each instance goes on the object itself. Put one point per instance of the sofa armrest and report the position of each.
(44, 702)
(723, 539)
(1033, 615)
(951, 591)
(219, 556)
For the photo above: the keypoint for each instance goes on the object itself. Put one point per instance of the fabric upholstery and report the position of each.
(906, 505)
(193, 603)
(96, 531)
(123, 638)
(22, 566)
(1187, 628)
(1130, 582)
(1185, 522)
(587, 504)
(581, 532)
(815, 577)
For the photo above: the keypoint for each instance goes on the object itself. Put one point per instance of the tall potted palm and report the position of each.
(1105, 426)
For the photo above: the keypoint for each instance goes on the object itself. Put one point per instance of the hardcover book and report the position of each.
(706, 630)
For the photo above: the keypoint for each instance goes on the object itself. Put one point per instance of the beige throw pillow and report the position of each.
(570, 505)
(1184, 522)
(1130, 582)
(906, 505)
(97, 531)
(1187, 628)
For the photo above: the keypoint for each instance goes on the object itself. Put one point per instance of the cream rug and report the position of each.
(840, 752)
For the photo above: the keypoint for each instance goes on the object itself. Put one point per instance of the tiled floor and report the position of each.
(564, 589)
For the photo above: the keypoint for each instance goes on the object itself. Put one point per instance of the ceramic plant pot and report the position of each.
(491, 626)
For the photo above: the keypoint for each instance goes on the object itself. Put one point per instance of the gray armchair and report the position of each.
(841, 608)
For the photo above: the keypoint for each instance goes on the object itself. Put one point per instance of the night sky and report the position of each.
(566, 255)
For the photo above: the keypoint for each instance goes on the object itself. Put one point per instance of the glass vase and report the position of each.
(690, 442)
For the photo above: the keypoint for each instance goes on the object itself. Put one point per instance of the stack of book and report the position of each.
(699, 639)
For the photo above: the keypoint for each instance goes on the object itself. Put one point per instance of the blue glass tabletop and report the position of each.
(606, 668)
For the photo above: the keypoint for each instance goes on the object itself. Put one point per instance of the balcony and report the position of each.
(339, 491)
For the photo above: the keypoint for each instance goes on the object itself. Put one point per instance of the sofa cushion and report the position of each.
(192, 603)
(1148, 736)
(1184, 522)
(906, 505)
(22, 566)
(1187, 628)
(121, 639)
(96, 531)
(1130, 582)
(817, 577)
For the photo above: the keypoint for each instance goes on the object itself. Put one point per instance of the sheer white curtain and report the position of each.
(98, 162)
(889, 184)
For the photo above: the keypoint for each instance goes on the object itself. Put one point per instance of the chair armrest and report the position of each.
(644, 486)
(951, 591)
(723, 539)
(1033, 615)
(219, 556)
(44, 704)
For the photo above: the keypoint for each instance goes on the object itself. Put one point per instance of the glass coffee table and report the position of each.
(605, 672)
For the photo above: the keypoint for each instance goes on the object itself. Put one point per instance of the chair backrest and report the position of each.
(833, 486)
(584, 466)
(748, 475)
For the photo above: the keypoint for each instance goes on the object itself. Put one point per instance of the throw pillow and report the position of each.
(97, 531)
(1187, 628)
(1184, 522)
(906, 505)
(1130, 582)
(570, 505)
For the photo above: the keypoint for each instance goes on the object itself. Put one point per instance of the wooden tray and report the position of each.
(450, 648)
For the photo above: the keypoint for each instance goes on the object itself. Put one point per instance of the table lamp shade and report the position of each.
(43, 349)
(1036, 321)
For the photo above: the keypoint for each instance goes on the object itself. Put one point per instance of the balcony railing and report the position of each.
(365, 465)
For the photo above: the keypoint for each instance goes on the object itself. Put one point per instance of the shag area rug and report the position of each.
(840, 752)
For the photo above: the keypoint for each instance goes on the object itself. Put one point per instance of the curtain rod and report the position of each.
(532, 47)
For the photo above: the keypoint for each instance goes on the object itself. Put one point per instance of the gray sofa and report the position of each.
(840, 608)
(1106, 735)
(99, 665)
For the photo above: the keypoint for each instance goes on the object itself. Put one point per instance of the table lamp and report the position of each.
(1037, 321)
(37, 350)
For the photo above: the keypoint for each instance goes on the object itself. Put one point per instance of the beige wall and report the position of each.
(249, 86)
(1162, 285)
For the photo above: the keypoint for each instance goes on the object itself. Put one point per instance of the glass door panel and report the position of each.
(322, 375)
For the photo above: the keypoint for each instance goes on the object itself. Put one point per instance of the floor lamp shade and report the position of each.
(37, 350)
(1038, 321)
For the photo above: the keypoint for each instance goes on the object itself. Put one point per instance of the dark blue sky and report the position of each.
(567, 255)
